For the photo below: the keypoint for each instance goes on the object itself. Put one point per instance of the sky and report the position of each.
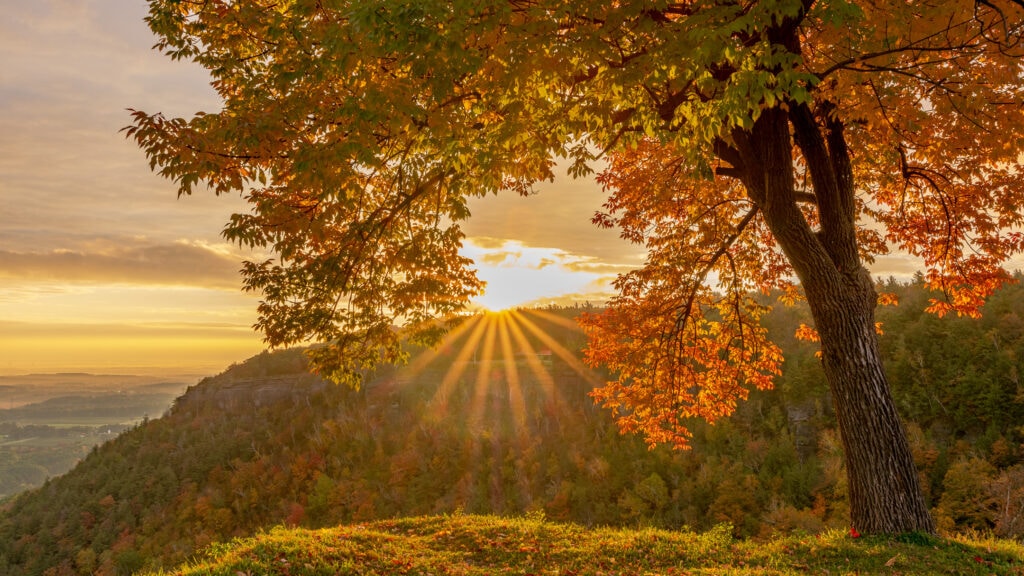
(103, 269)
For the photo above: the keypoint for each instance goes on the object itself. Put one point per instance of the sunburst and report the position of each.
(495, 357)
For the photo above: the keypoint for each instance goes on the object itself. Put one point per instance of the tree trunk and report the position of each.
(885, 492)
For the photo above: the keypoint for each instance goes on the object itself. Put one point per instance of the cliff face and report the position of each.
(230, 394)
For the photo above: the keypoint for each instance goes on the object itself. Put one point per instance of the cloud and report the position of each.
(22, 291)
(123, 348)
(513, 252)
(898, 265)
(497, 258)
(557, 217)
(591, 266)
(88, 234)
(161, 330)
(487, 242)
(176, 264)
(517, 274)
(70, 69)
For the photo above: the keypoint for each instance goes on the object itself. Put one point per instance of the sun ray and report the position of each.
(483, 383)
(439, 401)
(556, 408)
(491, 382)
(555, 319)
(420, 361)
(515, 391)
(540, 372)
(419, 364)
(517, 399)
(564, 354)
(477, 409)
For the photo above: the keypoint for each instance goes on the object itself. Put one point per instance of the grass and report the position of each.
(479, 545)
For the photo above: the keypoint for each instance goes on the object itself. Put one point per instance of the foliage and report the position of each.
(958, 372)
(467, 545)
(870, 143)
(966, 500)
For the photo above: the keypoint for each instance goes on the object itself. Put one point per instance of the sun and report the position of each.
(518, 275)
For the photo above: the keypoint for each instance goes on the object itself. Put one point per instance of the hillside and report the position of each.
(497, 421)
(485, 545)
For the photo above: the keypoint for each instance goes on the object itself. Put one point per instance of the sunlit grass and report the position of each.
(478, 545)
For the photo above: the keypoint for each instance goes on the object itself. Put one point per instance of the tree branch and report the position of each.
(703, 274)
(833, 186)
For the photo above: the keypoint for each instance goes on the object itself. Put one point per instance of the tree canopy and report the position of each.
(749, 145)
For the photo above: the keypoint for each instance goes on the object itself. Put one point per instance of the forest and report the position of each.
(498, 420)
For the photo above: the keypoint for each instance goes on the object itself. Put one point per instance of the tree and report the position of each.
(749, 143)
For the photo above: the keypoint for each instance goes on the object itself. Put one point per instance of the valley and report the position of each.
(49, 422)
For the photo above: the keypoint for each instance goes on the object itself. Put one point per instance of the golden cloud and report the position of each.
(497, 258)
(487, 242)
(545, 262)
(591, 266)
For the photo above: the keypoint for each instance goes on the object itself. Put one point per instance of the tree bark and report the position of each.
(885, 493)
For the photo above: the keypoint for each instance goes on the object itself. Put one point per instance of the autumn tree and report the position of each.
(750, 145)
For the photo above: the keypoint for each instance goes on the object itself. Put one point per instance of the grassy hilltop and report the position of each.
(478, 545)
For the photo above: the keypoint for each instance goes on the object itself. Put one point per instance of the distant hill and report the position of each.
(497, 421)
(110, 408)
(17, 391)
